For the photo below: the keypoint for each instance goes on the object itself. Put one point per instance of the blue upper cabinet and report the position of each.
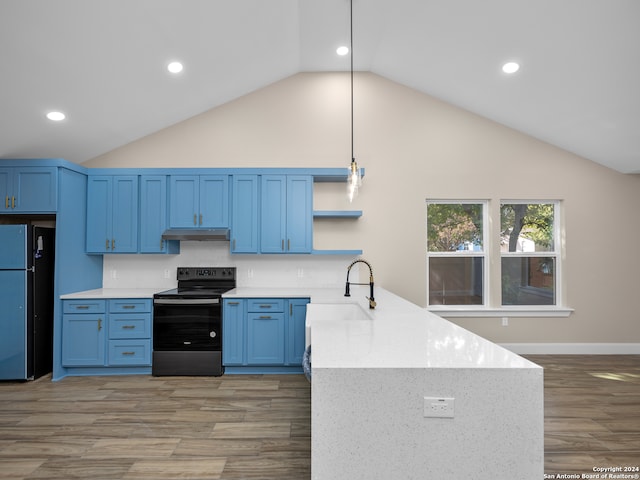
(153, 216)
(244, 214)
(199, 201)
(112, 214)
(286, 214)
(299, 214)
(214, 201)
(28, 189)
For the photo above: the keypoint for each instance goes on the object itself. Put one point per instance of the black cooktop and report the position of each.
(201, 282)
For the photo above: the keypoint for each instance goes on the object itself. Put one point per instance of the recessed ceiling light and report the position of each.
(510, 67)
(175, 67)
(342, 51)
(56, 116)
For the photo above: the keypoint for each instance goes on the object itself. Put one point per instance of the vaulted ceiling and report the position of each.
(103, 63)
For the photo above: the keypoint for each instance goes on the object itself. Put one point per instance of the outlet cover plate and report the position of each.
(439, 407)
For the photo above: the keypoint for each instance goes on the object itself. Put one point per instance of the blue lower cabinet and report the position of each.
(263, 335)
(233, 332)
(129, 352)
(83, 339)
(101, 336)
(265, 338)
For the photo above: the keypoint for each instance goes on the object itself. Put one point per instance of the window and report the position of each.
(528, 250)
(456, 253)
(494, 259)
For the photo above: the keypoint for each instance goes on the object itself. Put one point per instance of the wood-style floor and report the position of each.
(258, 427)
(591, 412)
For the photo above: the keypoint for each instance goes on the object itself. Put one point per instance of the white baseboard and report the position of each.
(573, 348)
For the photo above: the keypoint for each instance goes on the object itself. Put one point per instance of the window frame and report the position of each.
(492, 287)
(464, 253)
(555, 253)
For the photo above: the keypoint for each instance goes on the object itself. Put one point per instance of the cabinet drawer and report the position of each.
(124, 305)
(129, 325)
(84, 306)
(129, 352)
(265, 305)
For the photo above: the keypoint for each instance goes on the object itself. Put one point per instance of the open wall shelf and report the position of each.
(337, 213)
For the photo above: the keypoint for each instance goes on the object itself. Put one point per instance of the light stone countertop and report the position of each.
(398, 334)
(107, 293)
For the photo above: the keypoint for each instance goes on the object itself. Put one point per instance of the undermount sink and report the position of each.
(332, 311)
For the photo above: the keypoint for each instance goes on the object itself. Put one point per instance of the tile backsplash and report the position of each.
(159, 271)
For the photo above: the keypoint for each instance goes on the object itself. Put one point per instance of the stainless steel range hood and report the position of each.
(208, 234)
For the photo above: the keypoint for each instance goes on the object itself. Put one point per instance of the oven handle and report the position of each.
(186, 301)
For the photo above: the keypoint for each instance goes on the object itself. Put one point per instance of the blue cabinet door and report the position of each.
(125, 214)
(214, 201)
(35, 189)
(233, 332)
(244, 214)
(28, 189)
(112, 214)
(99, 214)
(13, 325)
(286, 214)
(299, 214)
(83, 340)
(184, 201)
(265, 338)
(154, 215)
(6, 189)
(296, 330)
(273, 226)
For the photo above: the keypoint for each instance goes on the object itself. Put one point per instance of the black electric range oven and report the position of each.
(187, 322)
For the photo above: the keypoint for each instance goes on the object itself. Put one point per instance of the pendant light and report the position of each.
(354, 180)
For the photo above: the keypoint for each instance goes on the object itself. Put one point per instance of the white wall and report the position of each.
(416, 147)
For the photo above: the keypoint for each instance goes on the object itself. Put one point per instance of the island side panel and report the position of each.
(369, 424)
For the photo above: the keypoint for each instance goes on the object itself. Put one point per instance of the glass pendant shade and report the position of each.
(354, 181)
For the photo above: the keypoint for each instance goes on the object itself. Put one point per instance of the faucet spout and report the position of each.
(347, 293)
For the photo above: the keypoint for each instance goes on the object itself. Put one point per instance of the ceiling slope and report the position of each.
(103, 63)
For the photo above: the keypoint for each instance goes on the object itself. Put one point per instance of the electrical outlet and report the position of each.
(250, 273)
(439, 407)
(114, 274)
(505, 321)
(300, 272)
(167, 273)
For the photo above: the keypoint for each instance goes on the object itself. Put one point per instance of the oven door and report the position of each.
(186, 324)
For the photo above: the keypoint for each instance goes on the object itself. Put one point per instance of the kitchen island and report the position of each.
(381, 378)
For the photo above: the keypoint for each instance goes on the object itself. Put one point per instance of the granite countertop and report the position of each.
(398, 334)
(106, 293)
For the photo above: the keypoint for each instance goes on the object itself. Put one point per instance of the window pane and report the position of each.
(526, 227)
(528, 281)
(455, 280)
(454, 226)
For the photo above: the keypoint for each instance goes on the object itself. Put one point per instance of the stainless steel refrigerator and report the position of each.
(26, 301)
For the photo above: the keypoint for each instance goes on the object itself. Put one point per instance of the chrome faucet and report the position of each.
(347, 293)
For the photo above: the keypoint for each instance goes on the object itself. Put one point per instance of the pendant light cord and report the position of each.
(351, 56)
